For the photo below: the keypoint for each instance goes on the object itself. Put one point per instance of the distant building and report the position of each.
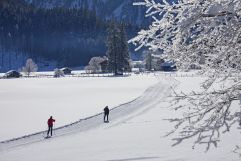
(195, 66)
(138, 65)
(167, 66)
(136, 70)
(12, 74)
(66, 70)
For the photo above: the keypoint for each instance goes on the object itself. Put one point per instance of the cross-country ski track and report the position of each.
(149, 99)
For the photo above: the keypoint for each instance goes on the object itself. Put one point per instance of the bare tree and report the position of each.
(58, 73)
(94, 64)
(89, 69)
(187, 32)
(30, 67)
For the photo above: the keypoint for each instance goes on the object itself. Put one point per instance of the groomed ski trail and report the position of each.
(150, 98)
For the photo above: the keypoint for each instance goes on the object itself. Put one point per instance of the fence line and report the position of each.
(82, 75)
(76, 75)
(192, 75)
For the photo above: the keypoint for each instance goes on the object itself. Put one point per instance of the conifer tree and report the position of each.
(124, 48)
(117, 49)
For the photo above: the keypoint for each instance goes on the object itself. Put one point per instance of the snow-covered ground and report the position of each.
(135, 131)
(26, 104)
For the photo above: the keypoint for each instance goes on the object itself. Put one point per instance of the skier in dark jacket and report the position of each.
(106, 114)
(50, 125)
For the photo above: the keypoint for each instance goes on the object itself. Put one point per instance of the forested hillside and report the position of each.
(68, 36)
(121, 10)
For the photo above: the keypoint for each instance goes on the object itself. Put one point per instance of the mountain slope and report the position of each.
(68, 36)
(122, 10)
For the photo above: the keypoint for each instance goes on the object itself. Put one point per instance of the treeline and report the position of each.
(70, 36)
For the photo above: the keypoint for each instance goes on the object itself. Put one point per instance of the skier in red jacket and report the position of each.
(50, 125)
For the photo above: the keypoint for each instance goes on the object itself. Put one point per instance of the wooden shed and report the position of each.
(66, 70)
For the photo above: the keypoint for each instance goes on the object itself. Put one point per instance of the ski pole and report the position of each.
(53, 130)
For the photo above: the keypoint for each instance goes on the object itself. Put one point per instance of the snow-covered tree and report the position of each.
(89, 69)
(94, 64)
(188, 32)
(58, 73)
(29, 67)
(117, 49)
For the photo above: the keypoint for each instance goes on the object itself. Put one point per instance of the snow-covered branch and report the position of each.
(206, 115)
(206, 33)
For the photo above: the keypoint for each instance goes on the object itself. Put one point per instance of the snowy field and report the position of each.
(26, 104)
(135, 131)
